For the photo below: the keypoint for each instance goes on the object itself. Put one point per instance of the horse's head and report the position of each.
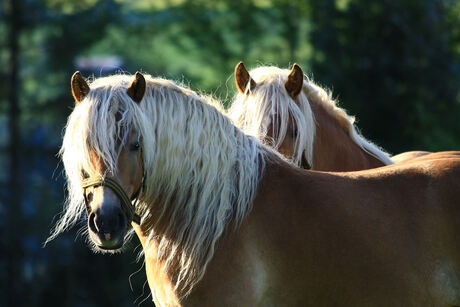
(273, 108)
(109, 187)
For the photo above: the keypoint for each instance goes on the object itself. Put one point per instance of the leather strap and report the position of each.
(128, 207)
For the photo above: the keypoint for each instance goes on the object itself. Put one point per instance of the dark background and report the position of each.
(393, 64)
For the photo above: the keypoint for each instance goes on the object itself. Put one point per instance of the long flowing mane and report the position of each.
(201, 171)
(270, 104)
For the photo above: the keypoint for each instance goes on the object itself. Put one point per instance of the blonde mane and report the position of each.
(201, 171)
(270, 104)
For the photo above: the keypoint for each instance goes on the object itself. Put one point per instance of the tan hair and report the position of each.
(260, 105)
(201, 171)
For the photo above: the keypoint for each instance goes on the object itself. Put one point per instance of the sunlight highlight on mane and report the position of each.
(255, 111)
(201, 171)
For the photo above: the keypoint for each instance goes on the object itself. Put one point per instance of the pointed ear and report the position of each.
(294, 81)
(79, 87)
(137, 88)
(242, 78)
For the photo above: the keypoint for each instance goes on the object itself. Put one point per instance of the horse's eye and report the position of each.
(135, 146)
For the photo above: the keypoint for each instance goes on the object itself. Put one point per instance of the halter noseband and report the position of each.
(129, 208)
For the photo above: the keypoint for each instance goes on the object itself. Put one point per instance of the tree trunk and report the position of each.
(13, 200)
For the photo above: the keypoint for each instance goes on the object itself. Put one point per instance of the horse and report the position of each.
(409, 155)
(302, 121)
(225, 220)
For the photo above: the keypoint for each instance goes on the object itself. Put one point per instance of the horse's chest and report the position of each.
(236, 277)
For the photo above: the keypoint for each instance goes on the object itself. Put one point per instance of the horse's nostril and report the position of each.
(92, 222)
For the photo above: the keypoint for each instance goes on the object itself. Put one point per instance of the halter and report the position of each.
(128, 206)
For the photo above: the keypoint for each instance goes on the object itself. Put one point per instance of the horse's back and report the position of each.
(388, 237)
(384, 237)
(409, 155)
(414, 156)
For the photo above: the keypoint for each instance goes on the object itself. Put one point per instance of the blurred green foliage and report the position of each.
(393, 64)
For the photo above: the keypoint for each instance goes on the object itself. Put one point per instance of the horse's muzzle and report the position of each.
(108, 229)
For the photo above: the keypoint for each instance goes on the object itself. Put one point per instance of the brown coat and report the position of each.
(381, 237)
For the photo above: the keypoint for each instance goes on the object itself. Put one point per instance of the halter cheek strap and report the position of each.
(128, 207)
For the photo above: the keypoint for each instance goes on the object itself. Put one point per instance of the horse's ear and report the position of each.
(294, 81)
(242, 78)
(137, 88)
(79, 87)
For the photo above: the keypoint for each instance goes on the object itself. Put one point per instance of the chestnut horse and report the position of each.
(409, 155)
(302, 121)
(225, 221)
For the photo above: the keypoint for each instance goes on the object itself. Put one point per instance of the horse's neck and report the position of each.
(334, 149)
(162, 289)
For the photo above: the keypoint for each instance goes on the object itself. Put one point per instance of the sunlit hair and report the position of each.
(270, 104)
(201, 171)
